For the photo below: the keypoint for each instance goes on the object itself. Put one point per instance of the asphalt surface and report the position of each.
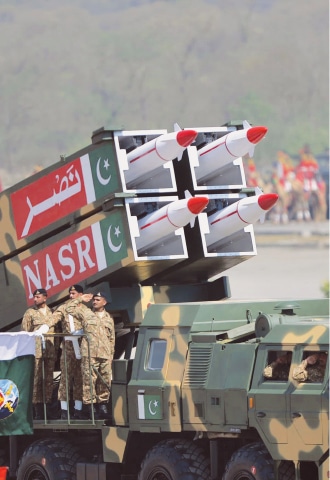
(292, 261)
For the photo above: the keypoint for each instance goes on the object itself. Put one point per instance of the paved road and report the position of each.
(292, 262)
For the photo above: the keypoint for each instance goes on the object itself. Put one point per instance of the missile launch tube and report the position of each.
(153, 154)
(159, 224)
(238, 215)
(221, 152)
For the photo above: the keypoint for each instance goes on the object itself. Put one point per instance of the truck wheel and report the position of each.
(251, 462)
(49, 459)
(286, 471)
(175, 460)
(3, 462)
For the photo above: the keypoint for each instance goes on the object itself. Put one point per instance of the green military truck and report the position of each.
(195, 391)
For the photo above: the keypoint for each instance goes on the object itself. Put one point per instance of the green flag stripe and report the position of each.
(16, 385)
(149, 407)
(16, 382)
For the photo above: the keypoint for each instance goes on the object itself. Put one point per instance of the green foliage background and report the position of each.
(68, 68)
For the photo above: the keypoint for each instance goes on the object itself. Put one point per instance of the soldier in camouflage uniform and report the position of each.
(34, 318)
(99, 327)
(279, 369)
(311, 369)
(70, 362)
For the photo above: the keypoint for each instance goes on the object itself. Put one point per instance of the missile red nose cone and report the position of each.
(255, 134)
(197, 204)
(267, 200)
(186, 137)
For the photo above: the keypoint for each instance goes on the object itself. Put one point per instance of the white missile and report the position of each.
(155, 153)
(159, 224)
(238, 215)
(226, 149)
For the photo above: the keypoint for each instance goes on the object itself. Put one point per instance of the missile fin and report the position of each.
(186, 141)
(195, 205)
(246, 124)
(187, 194)
(258, 192)
(177, 128)
(251, 151)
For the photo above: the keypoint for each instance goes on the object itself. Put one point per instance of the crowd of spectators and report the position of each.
(303, 191)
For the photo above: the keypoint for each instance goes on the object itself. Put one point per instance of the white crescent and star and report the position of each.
(155, 404)
(102, 180)
(113, 247)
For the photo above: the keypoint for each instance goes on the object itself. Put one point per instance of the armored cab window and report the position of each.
(312, 368)
(156, 354)
(278, 365)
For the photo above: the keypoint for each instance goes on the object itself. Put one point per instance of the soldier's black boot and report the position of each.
(64, 415)
(78, 415)
(51, 413)
(38, 411)
(86, 412)
(103, 412)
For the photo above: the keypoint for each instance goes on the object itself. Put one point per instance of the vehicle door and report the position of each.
(269, 397)
(154, 388)
(309, 404)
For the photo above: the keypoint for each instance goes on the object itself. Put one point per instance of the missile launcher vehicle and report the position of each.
(203, 387)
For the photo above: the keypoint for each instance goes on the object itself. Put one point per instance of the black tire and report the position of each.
(251, 462)
(286, 471)
(113, 472)
(49, 459)
(175, 460)
(3, 462)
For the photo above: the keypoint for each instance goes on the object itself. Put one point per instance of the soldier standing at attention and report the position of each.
(97, 352)
(35, 319)
(70, 362)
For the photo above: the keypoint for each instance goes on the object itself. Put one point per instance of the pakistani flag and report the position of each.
(17, 352)
(99, 169)
(149, 407)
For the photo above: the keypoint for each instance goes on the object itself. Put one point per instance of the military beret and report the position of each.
(78, 288)
(101, 294)
(40, 291)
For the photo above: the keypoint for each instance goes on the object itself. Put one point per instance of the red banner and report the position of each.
(48, 199)
(75, 258)
(60, 265)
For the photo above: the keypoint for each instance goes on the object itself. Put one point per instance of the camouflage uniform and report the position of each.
(101, 334)
(68, 356)
(305, 372)
(277, 371)
(33, 319)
